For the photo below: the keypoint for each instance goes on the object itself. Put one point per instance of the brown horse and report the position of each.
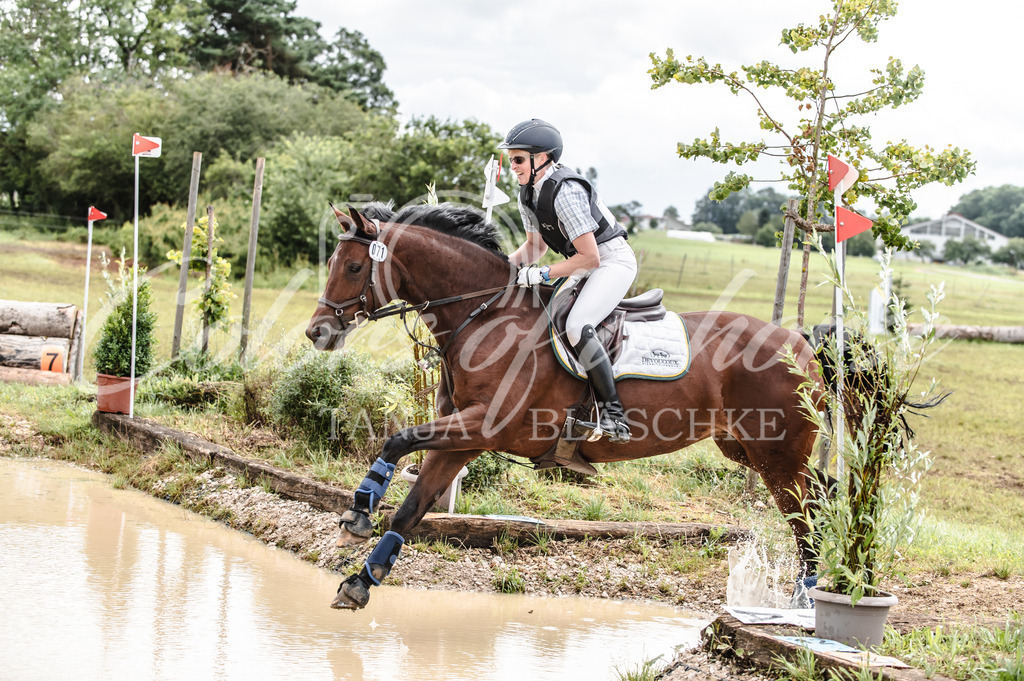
(503, 389)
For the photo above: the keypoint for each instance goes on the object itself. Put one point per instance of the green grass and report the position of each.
(973, 498)
(741, 278)
(970, 653)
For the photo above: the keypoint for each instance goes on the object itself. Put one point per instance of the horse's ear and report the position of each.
(343, 220)
(360, 220)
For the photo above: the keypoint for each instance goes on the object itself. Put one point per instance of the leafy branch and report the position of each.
(826, 123)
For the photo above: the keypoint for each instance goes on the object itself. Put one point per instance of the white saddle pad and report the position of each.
(658, 350)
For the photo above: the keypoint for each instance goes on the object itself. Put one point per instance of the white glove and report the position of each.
(529, 276)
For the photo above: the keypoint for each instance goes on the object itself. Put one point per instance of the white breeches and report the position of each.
(606, 286)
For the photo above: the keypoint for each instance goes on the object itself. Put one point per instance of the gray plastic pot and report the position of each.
(856, 625)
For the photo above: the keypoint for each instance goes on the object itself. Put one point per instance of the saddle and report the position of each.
(643, 340)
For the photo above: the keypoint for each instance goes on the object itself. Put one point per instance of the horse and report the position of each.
(503, 390)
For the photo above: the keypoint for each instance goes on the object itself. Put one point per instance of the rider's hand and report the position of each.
(529, 276)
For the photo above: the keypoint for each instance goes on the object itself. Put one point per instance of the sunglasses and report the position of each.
(518, 160)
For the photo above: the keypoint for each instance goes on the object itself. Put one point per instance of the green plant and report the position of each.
(487, 470)
(113, 352)
(508, 580)
(215, 303)
(342, 400)
(863, 524)
(648, 670)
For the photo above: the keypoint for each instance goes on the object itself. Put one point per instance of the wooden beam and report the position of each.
(470, 531)
(26, 352)
(33, 376)
(757, 645)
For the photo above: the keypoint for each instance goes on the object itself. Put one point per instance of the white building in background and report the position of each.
(955, 227)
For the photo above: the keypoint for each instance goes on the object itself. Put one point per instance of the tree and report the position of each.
(998, 208)
(1011, 254)
(448, 154)
(628, 214)
(218, 114)
(968, 251)
(862, 244)
(724, 212)
(828, 123)
(243, 36)
(671, 212)
(350, 65)
(748, 223)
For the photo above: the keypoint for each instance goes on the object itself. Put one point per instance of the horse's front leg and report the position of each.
(438, 471)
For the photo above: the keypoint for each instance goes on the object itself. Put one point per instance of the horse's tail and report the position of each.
(917, 409)
(829, 374)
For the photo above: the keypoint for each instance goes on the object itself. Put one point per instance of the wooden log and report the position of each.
(150, 436)
(37, 319)
(26, 352)
(33, 376)
(476, 531)
(757, 645)
(996, 334)
(470, 531)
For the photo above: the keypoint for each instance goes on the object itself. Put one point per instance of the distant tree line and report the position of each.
(1001, 209)
(233, 79)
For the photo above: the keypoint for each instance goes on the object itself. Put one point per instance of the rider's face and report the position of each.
(522, 168)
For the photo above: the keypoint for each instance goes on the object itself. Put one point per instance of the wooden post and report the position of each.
(682, 266)
(780, 296)
(186, 252)
(783, 278)
(250, 261)
(209, 276)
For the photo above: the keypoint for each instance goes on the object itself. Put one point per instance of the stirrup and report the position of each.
(615, 429)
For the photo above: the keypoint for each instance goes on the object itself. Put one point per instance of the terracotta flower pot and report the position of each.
(113, 393)
(862, 624)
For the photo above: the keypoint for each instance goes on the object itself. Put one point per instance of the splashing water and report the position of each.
(750, 577)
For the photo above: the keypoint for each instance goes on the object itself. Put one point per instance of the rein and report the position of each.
(378, 252)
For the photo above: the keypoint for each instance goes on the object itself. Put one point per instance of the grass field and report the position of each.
(974, 495)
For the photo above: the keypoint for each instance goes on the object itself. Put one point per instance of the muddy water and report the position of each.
(99, 583)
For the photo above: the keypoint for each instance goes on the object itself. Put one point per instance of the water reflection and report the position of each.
(101, 583)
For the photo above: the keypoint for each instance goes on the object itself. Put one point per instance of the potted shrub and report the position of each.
(864, 521)
(112, 355)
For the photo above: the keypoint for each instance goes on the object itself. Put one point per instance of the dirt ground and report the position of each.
(613, 568)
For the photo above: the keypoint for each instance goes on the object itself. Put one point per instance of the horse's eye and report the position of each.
(355, 267)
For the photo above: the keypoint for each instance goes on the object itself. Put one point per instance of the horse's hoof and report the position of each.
(356, 528)
(353, 594)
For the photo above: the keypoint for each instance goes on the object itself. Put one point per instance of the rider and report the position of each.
(561, 211)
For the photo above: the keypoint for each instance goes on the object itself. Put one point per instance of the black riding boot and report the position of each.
(598, 366)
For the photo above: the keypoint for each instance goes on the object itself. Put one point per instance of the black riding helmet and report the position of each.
(535, 136)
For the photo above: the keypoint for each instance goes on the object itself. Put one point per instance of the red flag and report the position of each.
(849, 224)
(96, 214)
(837, 170)
(145, 146)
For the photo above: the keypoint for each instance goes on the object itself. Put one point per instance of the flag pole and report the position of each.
(85, 306)
(840, 339)
(135, 291)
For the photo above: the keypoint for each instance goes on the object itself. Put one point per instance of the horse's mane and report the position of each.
(455, 219)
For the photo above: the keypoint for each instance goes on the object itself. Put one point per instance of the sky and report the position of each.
(582, 66)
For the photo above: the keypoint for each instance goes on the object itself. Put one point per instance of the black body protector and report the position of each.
(548, 224)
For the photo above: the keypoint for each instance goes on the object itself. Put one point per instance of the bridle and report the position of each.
(370, 284)
(378, 253)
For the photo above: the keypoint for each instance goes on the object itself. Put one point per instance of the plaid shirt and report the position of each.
(572, 207)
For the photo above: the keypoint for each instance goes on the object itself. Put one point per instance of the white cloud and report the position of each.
(583, 67)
